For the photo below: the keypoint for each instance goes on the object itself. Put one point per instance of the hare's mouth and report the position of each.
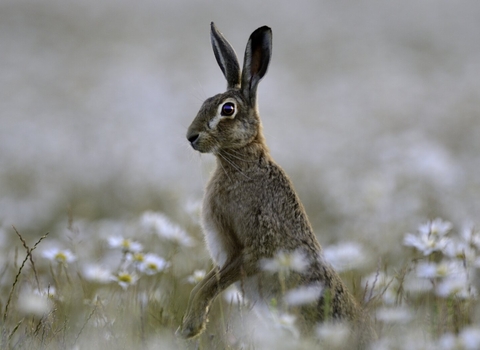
(199, 144)
(198, 147)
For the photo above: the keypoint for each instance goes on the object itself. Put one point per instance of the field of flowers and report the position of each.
(127, 288)
(372, 108)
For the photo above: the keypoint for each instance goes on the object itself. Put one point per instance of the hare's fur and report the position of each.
(251, 211)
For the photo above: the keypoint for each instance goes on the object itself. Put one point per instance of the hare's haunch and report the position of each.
(251, 213)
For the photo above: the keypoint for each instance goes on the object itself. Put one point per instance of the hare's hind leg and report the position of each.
(204, 293)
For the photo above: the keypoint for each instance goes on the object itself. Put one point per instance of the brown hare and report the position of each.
(251, 212)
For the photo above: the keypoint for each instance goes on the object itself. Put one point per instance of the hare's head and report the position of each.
(230, 120)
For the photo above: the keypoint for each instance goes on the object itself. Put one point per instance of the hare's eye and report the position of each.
(228, 109)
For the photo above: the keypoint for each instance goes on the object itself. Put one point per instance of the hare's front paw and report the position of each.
(192, 326)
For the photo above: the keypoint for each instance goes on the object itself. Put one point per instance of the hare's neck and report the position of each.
(243, 158)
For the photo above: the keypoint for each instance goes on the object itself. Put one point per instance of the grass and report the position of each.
(87, 288)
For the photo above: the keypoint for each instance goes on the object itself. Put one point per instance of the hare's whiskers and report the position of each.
(230, 151)
(229, 161)
(226, 172)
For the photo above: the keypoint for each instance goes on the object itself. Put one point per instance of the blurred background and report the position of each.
(371, 107)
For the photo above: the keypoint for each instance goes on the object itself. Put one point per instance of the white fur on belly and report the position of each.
(214, 243)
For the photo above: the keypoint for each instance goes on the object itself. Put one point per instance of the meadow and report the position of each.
(119, 292)
(372, 108)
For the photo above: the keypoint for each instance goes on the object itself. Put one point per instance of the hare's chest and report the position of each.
(214, 240)
(220, 226)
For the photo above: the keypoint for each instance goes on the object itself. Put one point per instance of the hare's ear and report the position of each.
(255, 63)
(226, 57)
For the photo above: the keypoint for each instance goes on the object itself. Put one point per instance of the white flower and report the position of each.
(437, 227)
(61, 256)
(304, 294)
(470, 337)
(333, 335)
(457, 285)
(467, 339)
(461, 250)
(449, 268)
(136, 258)
(284, 262)
(126, 244)
(425, 243)
(286, 321)
(471, 236)
(427, 270)
(453, 277)
(345, 256)
(161, 225)
(152, 264)
(394, 314)
(442, 269)
(96, 273)
(125, 279)
(49, 292)
(196, 277)
(448, 341)
(32, 303)
(430, 237)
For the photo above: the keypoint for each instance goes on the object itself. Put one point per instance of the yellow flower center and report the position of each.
(152, 266)
(60, 257)
(125, 277)
(138, 257)
(442, 270)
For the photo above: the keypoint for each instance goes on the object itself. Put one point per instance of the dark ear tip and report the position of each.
(263, 30)
(263, 34)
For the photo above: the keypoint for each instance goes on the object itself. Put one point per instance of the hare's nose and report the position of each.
(192, 138)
